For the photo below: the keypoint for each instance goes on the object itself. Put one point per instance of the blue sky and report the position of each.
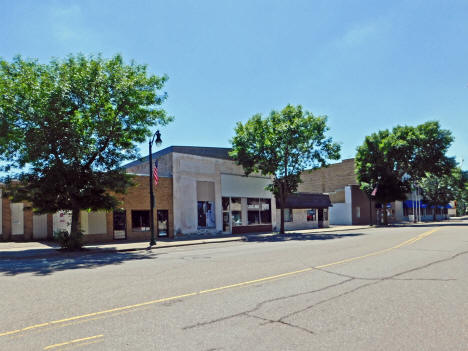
(368, 65)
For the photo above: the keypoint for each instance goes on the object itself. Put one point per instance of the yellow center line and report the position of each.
(152, 302)
(84, 344)
(73, 341)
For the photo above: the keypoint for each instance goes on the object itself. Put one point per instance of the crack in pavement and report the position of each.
(383, 278)
(375, 282)
(281, 320)
(249, 313)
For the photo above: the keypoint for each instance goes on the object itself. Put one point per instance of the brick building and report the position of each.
(350, 205)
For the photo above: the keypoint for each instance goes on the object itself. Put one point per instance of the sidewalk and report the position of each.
(23, 250)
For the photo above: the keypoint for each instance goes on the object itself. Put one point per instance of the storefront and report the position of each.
(304, 211)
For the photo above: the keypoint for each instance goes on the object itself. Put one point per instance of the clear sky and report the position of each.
(368, 65)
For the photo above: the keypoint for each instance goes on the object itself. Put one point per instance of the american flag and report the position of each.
(155, 173)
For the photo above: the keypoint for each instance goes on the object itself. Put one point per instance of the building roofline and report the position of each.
(202, 151)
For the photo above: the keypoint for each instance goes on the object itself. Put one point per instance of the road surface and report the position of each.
(402, 288)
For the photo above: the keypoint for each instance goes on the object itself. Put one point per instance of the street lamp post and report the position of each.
(158, 141)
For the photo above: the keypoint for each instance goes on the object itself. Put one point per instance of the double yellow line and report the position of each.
(152, 302)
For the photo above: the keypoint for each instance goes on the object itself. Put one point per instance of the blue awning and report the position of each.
(411, 204)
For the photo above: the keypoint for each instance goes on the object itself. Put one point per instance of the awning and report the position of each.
(306, 200)
(411, 204)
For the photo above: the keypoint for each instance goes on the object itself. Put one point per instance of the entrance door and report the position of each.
(320, 217)
(226, 222)
(163, 223)
(120, 224)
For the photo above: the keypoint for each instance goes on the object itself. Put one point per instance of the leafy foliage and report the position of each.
(438, 190)
(389, 161)
(461, 190)
(68, 125)
(282, 145)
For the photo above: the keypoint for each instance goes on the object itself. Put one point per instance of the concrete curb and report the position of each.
(51, 252)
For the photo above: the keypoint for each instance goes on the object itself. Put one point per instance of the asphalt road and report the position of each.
(376, 289)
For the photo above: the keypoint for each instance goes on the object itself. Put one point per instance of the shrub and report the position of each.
(67, 242)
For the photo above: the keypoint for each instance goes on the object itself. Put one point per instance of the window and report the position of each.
(253, 211)
(265, 211)
(259, 211)
(225, 202)
(325, 214)
(358, 212)
(206, 214)
(288, 215)
(311, 215)
(141, 220)
(236, 211)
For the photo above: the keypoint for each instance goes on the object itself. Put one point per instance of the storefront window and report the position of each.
(141, 220)
(325, 214)
(236, 218)
(253, 211)
(225, 201)
(288, 215)
(236, 204)
(206, 214)
(311, 215)
(265, 211)
(236, 211)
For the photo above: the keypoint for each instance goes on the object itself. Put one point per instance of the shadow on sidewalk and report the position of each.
(298, 237)
(69, 261)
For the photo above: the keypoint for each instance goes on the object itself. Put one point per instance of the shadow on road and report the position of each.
(298, 237)
(68, 261)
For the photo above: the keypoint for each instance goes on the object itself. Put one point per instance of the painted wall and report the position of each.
(93, 222)
(340, 214)
(40, 224)
(242, 186)
(299, 220)
(228, 180)
(62, 221)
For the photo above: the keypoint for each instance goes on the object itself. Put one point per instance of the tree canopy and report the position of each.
(282, 145)
(67, 125)
(438, 190)
(389, 161)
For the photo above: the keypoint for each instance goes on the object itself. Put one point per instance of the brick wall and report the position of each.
(138, 198)
(6, 219)
(328, 179)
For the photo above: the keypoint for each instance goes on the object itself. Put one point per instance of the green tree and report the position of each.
(389, 161)
(376, 173)
(282, 145)
(66, 126)
(438, 190)
(461, 190)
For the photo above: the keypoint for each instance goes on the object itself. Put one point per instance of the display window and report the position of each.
(311, 215)
(206, 214)
(141, 220)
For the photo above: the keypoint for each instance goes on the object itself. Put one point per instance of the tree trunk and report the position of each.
(74, 229)
(385, 217)
(282, 208)
(434, 214)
